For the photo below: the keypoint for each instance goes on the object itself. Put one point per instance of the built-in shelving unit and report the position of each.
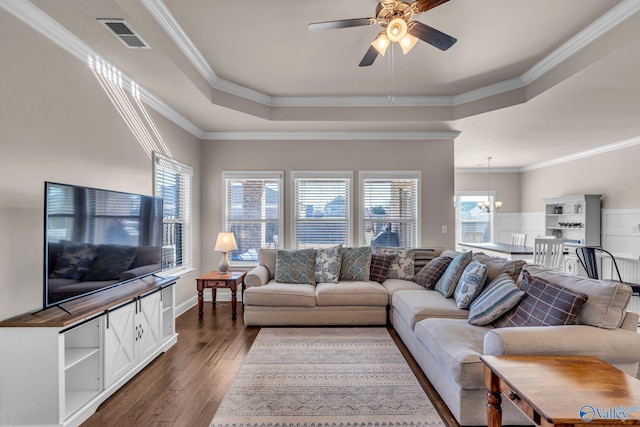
(61, 361)
(576, 219)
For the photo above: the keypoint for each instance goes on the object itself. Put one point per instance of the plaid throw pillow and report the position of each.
(380, 267)
(544, 304)
(430, 273)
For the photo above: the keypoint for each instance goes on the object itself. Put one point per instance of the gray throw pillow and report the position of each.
(296, 266)
(356, 263)
(446, 285)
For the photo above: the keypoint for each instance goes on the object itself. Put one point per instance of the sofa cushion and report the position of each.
(429, 275)
(457, 346)
(402, 265)
(74, 260)
(607, 303)
(394, 285)
(497, 266)
(544, 304)
(296, 266)
(351, 293)
(416, 305)
(276, 294)
(356, 263)
(470, 284)
(446, 285)
(111, 261)
(380, 267)
(327, 264)
(267, 257)
(498, 297)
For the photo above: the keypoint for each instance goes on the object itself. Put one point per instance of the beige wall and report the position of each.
(506, 186)
(615, 175)
(57, 124)
(433, 158)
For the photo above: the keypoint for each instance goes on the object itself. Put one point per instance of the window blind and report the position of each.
(390, 209)
(253, 212)
(322, 214)
(173, 183)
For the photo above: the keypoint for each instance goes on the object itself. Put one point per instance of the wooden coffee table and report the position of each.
(561, 390)
(215, 280)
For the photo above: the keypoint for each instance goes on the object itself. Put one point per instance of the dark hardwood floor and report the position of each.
(184, 386)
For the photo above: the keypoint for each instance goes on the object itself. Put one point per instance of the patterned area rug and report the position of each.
(316, 377)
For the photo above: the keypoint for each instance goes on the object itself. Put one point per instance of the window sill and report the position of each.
(178, 271)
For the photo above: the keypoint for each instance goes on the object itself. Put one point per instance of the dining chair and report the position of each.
(474, 237)
(519, 239)
(587, 257)
(548, 252)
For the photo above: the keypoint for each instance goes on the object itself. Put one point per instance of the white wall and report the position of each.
(57, 124)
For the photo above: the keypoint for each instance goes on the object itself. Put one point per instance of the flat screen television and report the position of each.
(96, 239)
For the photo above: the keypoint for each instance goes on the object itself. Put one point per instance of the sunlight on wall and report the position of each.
(132, 111)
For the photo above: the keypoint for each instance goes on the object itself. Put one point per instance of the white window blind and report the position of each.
(173, 181)
(390, 208)
(253, 212)
(321, 209)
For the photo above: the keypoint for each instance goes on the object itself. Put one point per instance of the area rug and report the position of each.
(317, 377)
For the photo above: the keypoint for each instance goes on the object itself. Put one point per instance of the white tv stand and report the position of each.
(56, 368)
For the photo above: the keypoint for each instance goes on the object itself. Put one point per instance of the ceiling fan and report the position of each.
(395, 17)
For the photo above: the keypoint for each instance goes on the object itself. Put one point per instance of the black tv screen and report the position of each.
(96, 239)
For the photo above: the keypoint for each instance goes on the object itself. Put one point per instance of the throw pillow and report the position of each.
(111, 261)
(430, 273)
(402, 266)
(380, 267)
(296, 266)
(446, 285)
(544, 304)
(356, 263)
(498, 297)
(470, 284)
(497, 266)
(327, 264)
(74, 260)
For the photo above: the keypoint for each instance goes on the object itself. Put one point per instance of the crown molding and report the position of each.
(606, 22)
(329, 136)
(484, 170)
(582, 154)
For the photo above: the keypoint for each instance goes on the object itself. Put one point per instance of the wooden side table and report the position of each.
(215, 280)
(561, 390)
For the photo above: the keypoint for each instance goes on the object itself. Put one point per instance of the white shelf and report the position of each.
(76, 399)
(73, 356)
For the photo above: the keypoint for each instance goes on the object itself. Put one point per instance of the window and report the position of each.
(321, 209)
(473, 225)
(172, 182)
(252, 211)
(390, 208)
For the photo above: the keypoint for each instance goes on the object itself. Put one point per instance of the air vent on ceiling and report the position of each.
(123, 31)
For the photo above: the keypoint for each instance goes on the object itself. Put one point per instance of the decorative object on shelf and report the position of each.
(486, 205)
(226, 242)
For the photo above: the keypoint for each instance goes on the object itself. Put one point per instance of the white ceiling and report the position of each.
(527, 82)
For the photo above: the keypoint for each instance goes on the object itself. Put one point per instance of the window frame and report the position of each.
(186, 206)
(364, 176)
(253, 175)
(323, 174)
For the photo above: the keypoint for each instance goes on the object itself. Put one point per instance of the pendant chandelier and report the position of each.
(486, 205)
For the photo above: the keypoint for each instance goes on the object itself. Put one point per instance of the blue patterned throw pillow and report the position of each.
(496, 299)
(446, 285)
(470, 284)
(327, 264)
(402, 266)
(356, 263)
(296, 266)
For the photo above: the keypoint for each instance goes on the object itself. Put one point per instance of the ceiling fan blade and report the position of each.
(369, 57)
(343, 23)
(432, 36)
(424, 5)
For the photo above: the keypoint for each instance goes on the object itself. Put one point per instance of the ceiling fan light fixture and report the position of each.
(397, 29)
(407, 43)
(381, 43)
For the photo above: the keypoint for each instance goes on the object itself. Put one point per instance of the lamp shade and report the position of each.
(226, 242)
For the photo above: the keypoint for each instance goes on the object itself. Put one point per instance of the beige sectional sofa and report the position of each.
(437, 333)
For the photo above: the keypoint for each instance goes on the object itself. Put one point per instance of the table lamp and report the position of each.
(226, 242)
